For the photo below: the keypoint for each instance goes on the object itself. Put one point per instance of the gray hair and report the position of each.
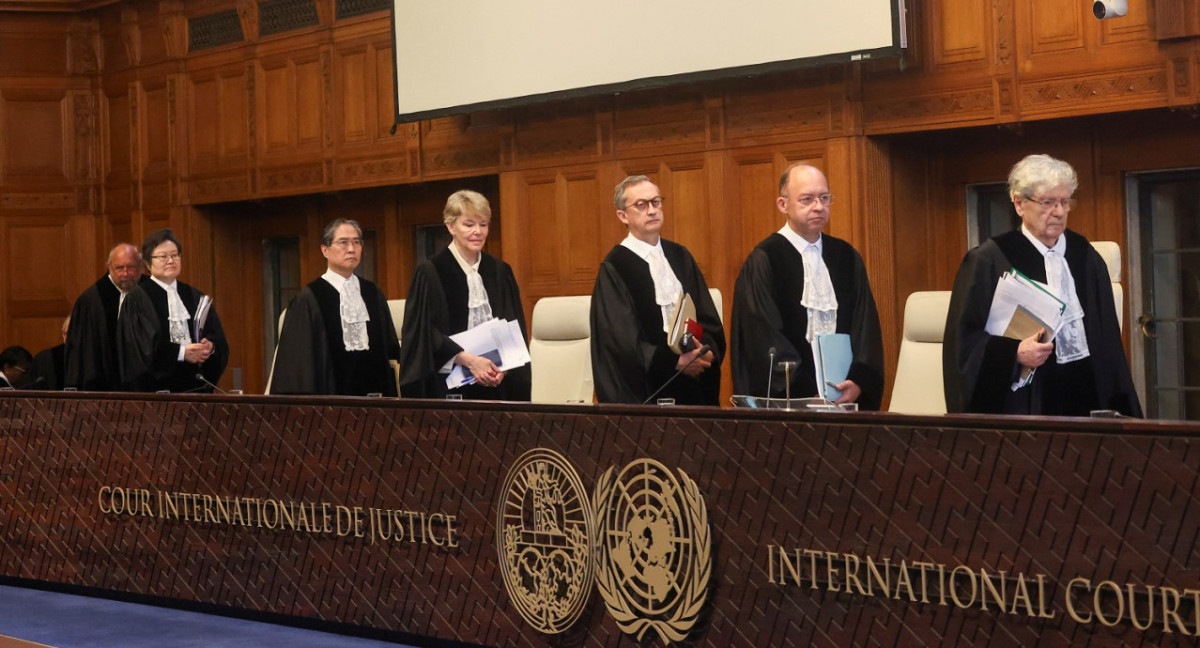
(465, 200)
(619, 192)
(1039, 173)
(331, 228)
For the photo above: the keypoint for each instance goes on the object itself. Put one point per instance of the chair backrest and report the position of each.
(278, 332)
(397, 308)
(1111, 253)
(560, 350)
(918, 385)
(717, 301)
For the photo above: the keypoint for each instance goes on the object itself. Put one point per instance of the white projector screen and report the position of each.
(455, 56)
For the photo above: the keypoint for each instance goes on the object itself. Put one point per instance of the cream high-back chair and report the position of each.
(718, 301)
(918, 385)
(396, 306)
(1111, 253)
(278, 330)
(560, 350)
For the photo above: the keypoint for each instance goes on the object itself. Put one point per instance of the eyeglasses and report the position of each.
(1048, 204)
(643, 204)
(174, 256)
(808, 201)
(348, 243)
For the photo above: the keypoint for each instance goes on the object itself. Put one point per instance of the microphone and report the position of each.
(770, 373)
(199, 376)
(704, 349)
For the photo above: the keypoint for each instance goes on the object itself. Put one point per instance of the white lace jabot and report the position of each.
(479, 309)
(354, 313)
(177, 313)
(818, 297)
(1071, 343)
(667, 287)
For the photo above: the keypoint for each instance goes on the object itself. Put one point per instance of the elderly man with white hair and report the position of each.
(1083, 367)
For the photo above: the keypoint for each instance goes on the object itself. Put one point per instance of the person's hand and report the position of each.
(850, 392)
(1032, 352)
(697, 367)
(484, 370)
(198, 352)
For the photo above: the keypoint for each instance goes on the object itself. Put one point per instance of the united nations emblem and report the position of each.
(543, 537)
(653, 549)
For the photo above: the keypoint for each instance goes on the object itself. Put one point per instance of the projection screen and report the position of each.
(455, 56)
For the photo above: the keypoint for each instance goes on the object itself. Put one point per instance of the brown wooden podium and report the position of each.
(727, 527)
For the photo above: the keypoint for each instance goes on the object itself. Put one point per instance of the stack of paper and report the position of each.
(1022, 306)
(497, 340)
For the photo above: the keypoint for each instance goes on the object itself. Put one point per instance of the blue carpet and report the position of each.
(70, 621)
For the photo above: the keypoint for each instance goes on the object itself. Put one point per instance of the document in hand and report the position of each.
(495, 339)
(201, 317)
(1022, 306)
(684, 312)
(833, 356)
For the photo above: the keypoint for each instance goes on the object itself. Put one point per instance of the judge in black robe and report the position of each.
(980, 369)
(437, 307)
(767, 313)
(631, 359)
(150, 360)
(90, 359)
(767, 308)
(312, 357)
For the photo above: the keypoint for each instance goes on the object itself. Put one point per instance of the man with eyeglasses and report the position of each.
(14, 368)
(796, 284)
(90, 362)
(636, 292)
(1080, 369)
(338, 336)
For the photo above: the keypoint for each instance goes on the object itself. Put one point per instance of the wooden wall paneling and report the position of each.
(36, 129)
(568, 133)
(1176, 19)
(961, 32)
(582, 213)
(542, 235)
(877, 243)
(39, 287)
(462, 145)
(1053, 26)
(685, 180)
(646, 123)
(33, 45)
(353, 68)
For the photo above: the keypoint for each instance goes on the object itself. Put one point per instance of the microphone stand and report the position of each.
(703, 350)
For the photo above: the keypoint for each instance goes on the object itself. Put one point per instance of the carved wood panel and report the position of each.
(36, 128)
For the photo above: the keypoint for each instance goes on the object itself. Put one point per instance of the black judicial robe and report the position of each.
(149, 359)
(630, 356)
(979, 368)
(46, 372)
(91, 362)
(436, 308)
(312, 358)
(767, 313)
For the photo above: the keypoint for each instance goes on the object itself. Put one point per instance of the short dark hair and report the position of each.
(327, 236)
(15, 356)
(157, 238)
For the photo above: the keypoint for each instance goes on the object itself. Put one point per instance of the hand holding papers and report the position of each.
(685, 331)
(201, 316)
(498, 340)
(833, 356)
(1023, 308)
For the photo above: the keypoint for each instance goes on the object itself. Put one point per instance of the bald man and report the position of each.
(91, 352)
(796, 284)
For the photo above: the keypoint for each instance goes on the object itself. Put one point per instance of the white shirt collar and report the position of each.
(1060, 246)
(640, 247)
(165, 286)
(466, 266)
(799, 242)
(336, 280)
